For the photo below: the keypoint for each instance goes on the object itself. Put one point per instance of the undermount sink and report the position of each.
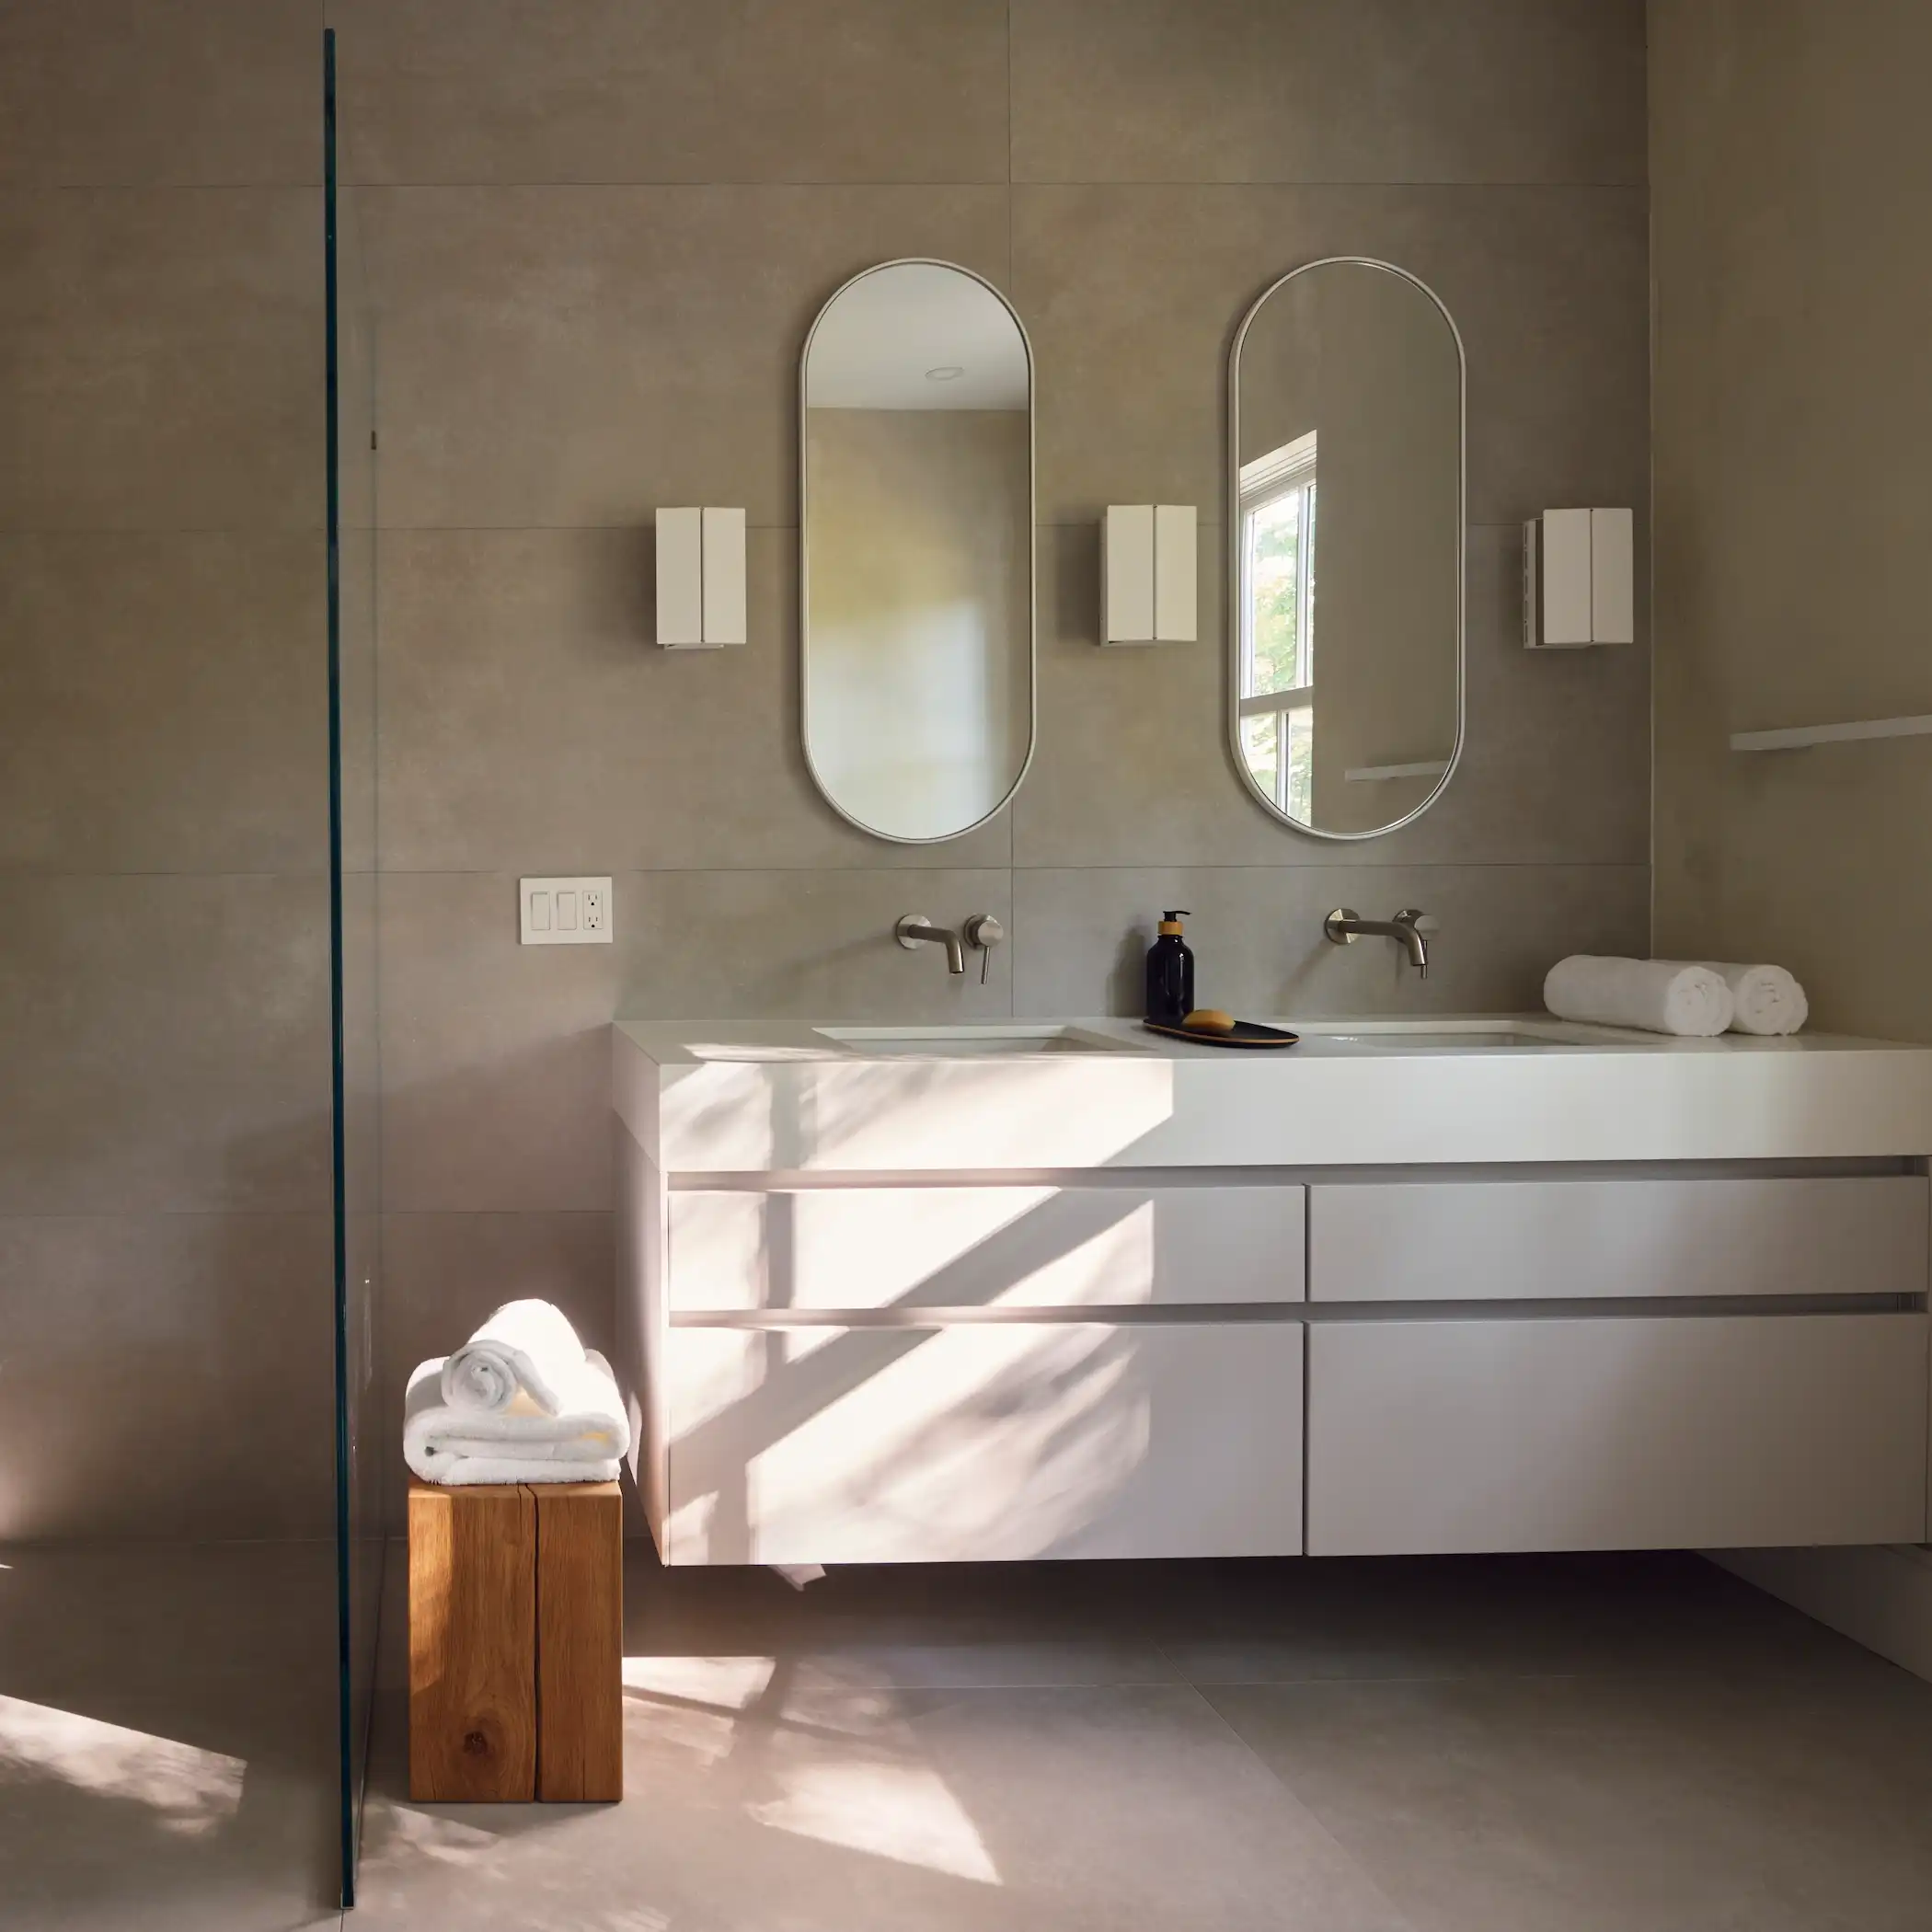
(1405, 1036)
(1002, 1041)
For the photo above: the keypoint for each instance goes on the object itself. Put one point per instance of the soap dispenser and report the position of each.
(1170, 973)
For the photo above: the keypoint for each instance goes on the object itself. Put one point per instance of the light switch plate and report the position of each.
(564, 912)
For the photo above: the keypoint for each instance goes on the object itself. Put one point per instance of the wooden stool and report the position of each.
(516, 1643)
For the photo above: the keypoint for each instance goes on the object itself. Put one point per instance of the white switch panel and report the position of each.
(565, 912)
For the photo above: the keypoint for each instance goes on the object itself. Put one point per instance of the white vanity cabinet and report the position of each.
(849, 1340)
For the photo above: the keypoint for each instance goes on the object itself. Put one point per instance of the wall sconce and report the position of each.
(1147, 574)
(1579, 579)
(700, 578)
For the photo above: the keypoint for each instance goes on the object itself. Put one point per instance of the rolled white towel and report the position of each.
(527, 1347)
(1658, 996)
(582, 1441)
(1767, 999)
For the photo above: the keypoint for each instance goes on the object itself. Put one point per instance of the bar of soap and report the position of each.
(1209, 1019)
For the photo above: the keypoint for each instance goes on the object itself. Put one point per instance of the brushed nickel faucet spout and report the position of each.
(1345, 928)
(915, 929)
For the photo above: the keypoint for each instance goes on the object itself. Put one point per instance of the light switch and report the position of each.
(724, 576)
(565, 912)
(1612, 598)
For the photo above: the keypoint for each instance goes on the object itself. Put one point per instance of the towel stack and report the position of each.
(521, 1401)
(1697, 1000)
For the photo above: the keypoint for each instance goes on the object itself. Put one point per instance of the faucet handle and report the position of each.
(1423, 921)
(984, 932)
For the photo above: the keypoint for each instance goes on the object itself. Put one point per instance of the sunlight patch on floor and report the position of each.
(889, 1810)
(191, 1791)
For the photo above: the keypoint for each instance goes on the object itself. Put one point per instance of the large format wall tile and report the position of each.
(164, 1045)
(100, 93)
(1081, 936)
(674, 90)
(530, 721)
(1328, 90)
(168, 1375)
(1134, 766)
(496, 1056)
(1132, 296)
(161, 351)
(162, 702)
(581, 355)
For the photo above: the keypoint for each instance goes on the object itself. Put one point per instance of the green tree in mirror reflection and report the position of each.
(1279, 655)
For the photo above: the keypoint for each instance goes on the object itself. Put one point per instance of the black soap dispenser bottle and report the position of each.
(1170, 973)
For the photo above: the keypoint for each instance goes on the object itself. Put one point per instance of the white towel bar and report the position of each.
(1796, 736)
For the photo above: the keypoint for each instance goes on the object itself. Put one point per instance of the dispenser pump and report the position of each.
(1170, 973)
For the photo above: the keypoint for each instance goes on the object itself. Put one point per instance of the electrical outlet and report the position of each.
(565, 912)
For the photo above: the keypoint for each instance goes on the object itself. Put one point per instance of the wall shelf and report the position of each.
(1374, 773)
(1797, 736)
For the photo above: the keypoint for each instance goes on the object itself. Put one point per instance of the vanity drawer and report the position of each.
(1645, 1433)
(853, 1248)
(984, 1442)
(1513, 1240)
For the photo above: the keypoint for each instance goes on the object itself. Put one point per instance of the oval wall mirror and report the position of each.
(1345, 520)
(916, 550)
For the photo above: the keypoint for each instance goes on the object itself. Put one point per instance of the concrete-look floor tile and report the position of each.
(1080, 936)
(1302, 90)
(163, 1042)
(1131, 296)
(205, 1347)
(582, 355)
(99, 93)
(167, 1744)
(1598, 1804)
(162, 702)
(614, 90)
(756, 1801)
(527, 713)
(162, 354)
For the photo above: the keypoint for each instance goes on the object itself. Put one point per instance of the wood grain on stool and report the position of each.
(579, 1643)
(472, 1637)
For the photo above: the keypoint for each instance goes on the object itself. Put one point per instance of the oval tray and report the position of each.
(1246, 1033)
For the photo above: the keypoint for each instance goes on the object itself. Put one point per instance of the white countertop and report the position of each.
(784, 1096)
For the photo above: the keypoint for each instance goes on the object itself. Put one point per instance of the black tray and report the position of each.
(1246, 1033)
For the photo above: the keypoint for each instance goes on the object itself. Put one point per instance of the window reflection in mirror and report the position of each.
(1345, 427)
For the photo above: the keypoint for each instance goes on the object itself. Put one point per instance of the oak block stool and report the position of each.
(516, 1643)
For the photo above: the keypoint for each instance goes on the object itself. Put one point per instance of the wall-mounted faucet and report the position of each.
(982, 932)
(1345, 928)
(915, 930)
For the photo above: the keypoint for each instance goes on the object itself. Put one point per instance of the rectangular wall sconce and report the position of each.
(700, 578)
(1579, 579)
(1147, 592)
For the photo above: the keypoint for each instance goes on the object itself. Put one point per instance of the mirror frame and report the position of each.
(1026, 343)
(1231, 519)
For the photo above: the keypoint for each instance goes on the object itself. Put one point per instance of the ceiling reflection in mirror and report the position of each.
(1345, 405)
(916, 551)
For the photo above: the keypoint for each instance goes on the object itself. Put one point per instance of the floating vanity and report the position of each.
(1021, 1290)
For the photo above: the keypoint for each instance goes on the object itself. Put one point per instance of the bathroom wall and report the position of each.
(598, 231)
(1793, 410)
(166, 1362)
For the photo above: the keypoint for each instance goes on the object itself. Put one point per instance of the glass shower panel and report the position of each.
(362, 1436)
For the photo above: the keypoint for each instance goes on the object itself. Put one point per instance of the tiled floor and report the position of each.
(1594, 1745)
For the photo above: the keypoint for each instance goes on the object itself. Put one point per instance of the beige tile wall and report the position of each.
(166, 1341)
(598, 230)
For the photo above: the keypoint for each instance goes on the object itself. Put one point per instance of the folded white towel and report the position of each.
(1659, 995)
(525, 1347)
(1767, 999)
(580, 1443)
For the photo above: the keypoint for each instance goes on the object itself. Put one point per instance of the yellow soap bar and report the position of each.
(1209, 1019)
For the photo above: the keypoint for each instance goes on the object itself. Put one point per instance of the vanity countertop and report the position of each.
(1049, 1094)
